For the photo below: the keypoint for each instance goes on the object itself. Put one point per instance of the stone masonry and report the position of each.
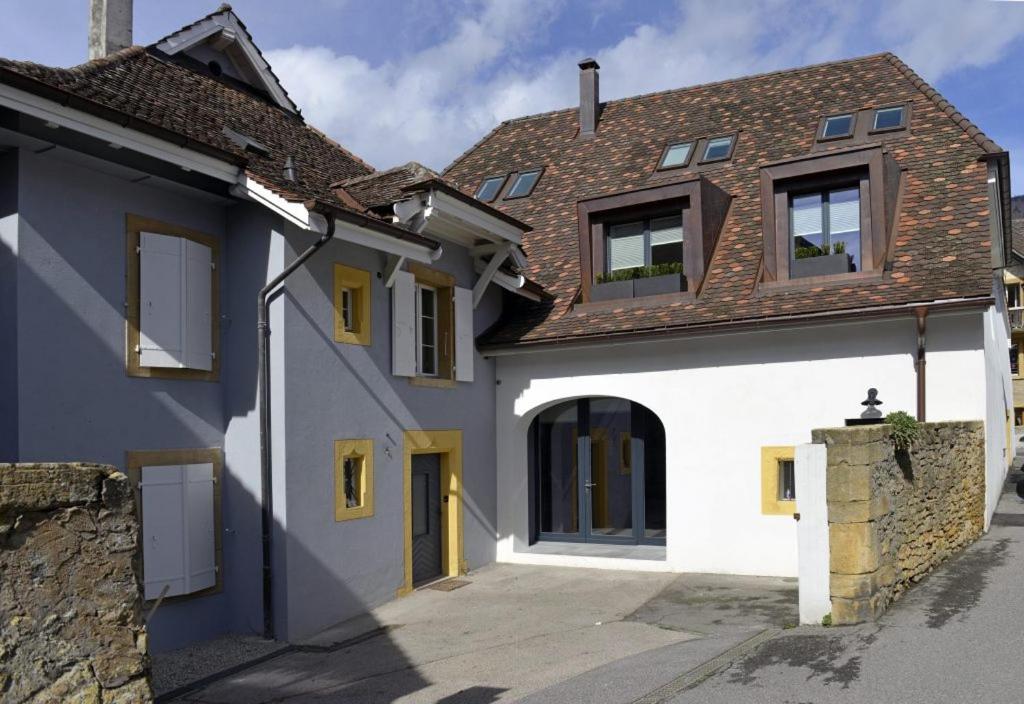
(70, 600)
(893, 516)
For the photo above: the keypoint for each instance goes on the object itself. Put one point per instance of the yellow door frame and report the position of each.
(448, 444)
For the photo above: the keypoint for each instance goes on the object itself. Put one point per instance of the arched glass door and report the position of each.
(598, 472)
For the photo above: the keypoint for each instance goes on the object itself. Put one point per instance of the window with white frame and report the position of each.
(426, 330)
(172, 320)
(432, 327)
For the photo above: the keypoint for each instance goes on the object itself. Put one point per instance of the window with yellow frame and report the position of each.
(353, 479)
(351, 305)
(778, 481)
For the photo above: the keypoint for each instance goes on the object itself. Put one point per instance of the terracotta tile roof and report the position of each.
(942, 248)
(158, 93)
(1018, 236)
(385, 187)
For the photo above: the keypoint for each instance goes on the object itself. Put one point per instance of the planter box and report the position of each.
(654, 285)
(819, 266)
(611, 290)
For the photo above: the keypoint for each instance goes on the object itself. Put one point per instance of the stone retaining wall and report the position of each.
(70, 600)
(894, 516)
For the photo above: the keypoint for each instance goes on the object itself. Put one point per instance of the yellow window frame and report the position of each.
(357, 282)
(363, 450)
(771, 504)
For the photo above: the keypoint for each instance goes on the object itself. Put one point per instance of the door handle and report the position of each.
(589, 484)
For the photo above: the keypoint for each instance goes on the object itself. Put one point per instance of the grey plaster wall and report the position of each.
(8, 306)
(75, 402)
(337, 570)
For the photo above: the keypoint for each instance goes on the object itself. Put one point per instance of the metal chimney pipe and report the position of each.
(110, 27)
(590, 100)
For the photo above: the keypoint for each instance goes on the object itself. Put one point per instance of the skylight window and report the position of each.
(718, 148)
(524, 184)
(889, 118)
(489, 188)
(676, 155)
(837, 126)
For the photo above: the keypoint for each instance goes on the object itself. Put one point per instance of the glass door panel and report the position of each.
(558, 485)
(610, 481)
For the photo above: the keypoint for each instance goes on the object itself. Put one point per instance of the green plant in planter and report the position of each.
(904, 429)
(641, 272)
(808, 252)
(839, 248)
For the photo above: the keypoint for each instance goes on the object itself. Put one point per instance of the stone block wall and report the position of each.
(893, 516)
(70, 599)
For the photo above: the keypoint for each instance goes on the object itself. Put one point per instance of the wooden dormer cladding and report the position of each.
(704, 207)
(874, 169)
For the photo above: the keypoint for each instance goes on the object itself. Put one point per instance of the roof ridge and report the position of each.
(962, 121)
(410, 165)
(223, 7)
(336, 144)
(473, 147)
(86, 68)
(710, 84)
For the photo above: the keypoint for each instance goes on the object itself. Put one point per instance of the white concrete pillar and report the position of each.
(812, 533)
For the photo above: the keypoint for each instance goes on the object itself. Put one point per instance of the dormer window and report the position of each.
(676, 156)
(489, 188)
(828, 217)
(718, 149)
(825, 232)
(524, 184)
(648, 242)
(888, 118)
(837, 126)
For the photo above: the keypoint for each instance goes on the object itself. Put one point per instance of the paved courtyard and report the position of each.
(547, 634)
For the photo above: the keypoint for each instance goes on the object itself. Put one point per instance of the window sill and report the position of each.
(855, 277)
(183, 374)
(430, 382)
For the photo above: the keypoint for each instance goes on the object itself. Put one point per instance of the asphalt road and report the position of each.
(957, 637)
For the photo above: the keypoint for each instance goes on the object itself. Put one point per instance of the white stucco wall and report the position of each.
(999, 393)
(721, 399)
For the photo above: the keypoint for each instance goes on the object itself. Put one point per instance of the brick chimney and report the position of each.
(590, 100)
(110, 27)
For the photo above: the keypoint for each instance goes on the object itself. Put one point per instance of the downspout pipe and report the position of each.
(263, 362)
(922, 318)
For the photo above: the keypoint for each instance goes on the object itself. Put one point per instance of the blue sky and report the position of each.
(424, 79)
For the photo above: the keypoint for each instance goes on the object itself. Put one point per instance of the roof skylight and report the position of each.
(718, 148)
(676, 155)
(489, 188)
(837, 126)
(524, 184)
(889, 118)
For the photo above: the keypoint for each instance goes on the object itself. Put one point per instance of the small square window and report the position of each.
(837, 126)
(353, 479)
(489, 188)
(889, 118)
(717, 149)
(676, 155)
(787, 480)
(524, 184)
(1013, 296)
(351, 305)
(347, 316)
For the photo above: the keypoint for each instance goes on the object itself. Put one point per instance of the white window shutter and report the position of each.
(199, 524)
(403, 324)
(163, 520)
(198, 306)
(463, 334)
(161, 300)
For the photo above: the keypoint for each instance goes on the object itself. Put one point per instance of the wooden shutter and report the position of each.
(178, 548)
(403, 324)
(161, 301)
(175, 292)
(464, 349)
(199, 523)
(163, 520)
(198, 306)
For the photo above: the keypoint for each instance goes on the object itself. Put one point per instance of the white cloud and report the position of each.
(431, 105)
